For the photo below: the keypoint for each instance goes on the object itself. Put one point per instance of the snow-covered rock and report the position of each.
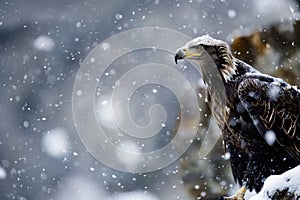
(284, 186)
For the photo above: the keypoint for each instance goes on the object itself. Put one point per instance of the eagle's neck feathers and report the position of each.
(224, 60)
(227, 65)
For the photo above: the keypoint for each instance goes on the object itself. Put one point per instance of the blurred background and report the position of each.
(41, 46)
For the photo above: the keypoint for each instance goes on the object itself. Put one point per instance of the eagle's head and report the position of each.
(209, 53)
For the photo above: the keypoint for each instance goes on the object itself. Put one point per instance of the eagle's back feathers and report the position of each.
(259, 116)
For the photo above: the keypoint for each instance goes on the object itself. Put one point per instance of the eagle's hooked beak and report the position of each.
(185, 53)
(180, 54)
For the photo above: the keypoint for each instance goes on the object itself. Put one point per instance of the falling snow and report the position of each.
(78, 25)
(44, 43)
(55, 142)
(2, 173)
(26, 124)
(231, 13)
(227, 156)
(118, 16)
(270, 137)
(105, 46)
(42, 49)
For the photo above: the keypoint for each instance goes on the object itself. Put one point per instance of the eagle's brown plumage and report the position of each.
(258, 114)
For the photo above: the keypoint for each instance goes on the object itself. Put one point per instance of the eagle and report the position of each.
(257, 113)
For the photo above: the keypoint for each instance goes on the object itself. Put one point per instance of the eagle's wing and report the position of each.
(274, 107)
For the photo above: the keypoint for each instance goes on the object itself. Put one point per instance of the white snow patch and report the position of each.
(231, 13)
(266, 9)
(195, 30)
(92, 169)
(118, 16)
(105, 46)
(227, 156)
(78, 24)
(129, 155)
(288, 180)
(273, 92)
(249, 194)
(75, 153)
(105, 113)
(270, 137)
(55, 142)
(204, 40)
(43, 43)
(136, 195)
(296, 15)
(79, 92)
(26, 124)
(2, 173)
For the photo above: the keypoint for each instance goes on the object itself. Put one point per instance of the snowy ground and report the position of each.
(288, 182)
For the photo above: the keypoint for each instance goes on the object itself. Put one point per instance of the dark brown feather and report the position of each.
(247, 106)
(276, 108)
(259, 103)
